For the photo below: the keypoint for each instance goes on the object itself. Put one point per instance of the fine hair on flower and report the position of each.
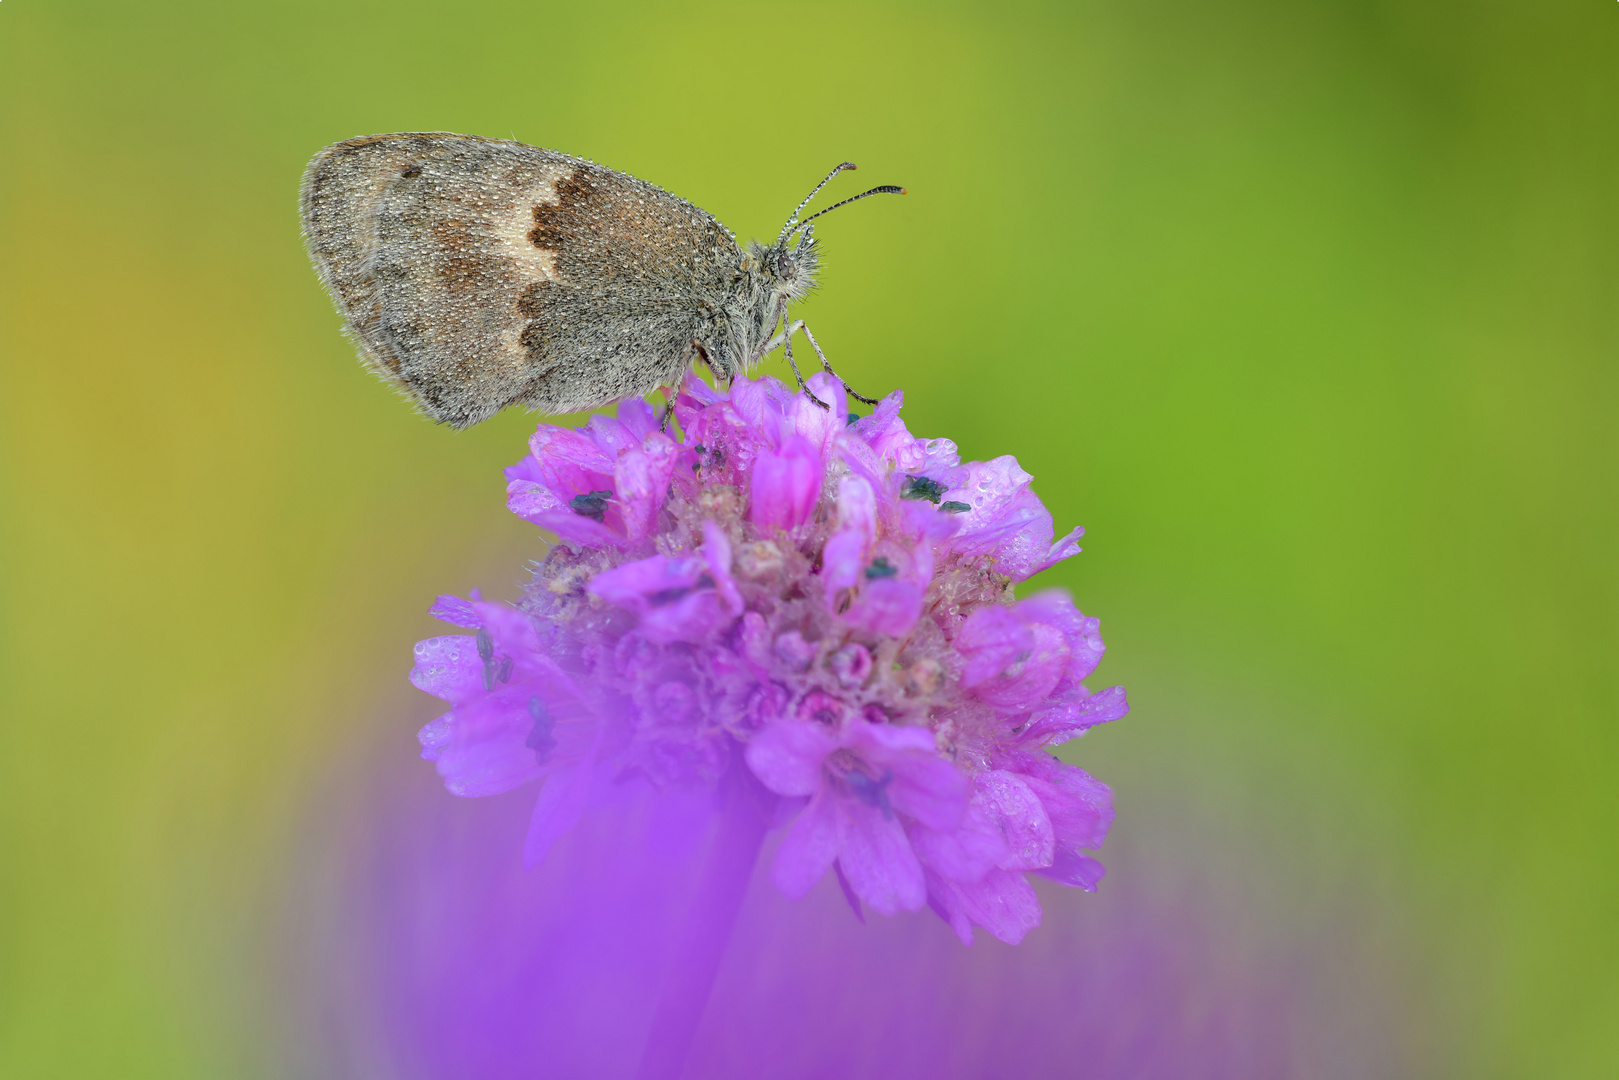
(816, 604)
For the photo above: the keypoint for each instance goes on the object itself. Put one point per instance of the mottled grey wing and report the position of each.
(479, 273)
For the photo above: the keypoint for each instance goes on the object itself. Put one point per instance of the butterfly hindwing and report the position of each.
(477, 273)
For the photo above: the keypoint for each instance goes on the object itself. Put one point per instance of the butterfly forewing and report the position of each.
(478, 273)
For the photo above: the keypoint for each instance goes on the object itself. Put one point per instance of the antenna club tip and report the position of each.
(902, 191)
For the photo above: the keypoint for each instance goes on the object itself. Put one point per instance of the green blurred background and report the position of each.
(1306, 310)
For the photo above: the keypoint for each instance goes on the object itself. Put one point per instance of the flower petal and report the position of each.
(878, 860)
(886, 606)
(1079, 806)
(1072, 714)
(787, 755)
(1011, 664)
(676, 598)
(435, 735)
(717, 554)
(816, 424)
(883, 742)
(813, 840)
(484, 753)
(562, 800)
(573, 526)
(456, 612)
(640, 482)
(1055, 607)
(1077, 870)
(1002, 902)
(842, 561)
(965, 853)
(448, 667)
(929, 789)
(946, 903)
(1023, 821)
(786, 485)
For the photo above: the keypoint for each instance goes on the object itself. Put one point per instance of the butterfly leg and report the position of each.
(787, 347)
(816, 345)
(668, 408)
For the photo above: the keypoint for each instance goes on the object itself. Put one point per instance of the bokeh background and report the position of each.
(1305, 309)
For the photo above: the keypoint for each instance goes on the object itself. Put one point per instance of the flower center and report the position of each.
(855, 775)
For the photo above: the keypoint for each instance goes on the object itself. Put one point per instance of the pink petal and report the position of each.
(753, 402)
(639, 418)
(1079, 806)
(882, 741)
(812, 842)
(1002, 902)
(1017, 811)
(1079, 871)
(1072, 714)
(946, 903)
(924, 520)
(576, 527)
(674, 596)
(1055, 607)
(484, 753)
(435, 735)
(816, 424)
(888, 437)
(717, 553)
(527, 499)
(610, 434)
(456, 612)
(857, 507)
(842, 561)
(886, 606)
(1066, 547)
(929, 789)
(967, 852)
(786, 756)
(448, 667)
(568, 461)
(1008, 663)
(878, 860)
(640, 482)
(560, 804)
(786, 485)
(512, 632)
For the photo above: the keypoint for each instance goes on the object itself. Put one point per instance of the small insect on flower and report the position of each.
(477, 273)
(823, 608)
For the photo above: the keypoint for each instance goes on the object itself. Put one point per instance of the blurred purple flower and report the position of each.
(829, 603)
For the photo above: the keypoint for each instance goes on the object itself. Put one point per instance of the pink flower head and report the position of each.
(826, 604)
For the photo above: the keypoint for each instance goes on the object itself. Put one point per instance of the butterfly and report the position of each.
(474, 274)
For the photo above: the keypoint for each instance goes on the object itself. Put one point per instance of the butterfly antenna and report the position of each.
(787, 229)
(885, 189)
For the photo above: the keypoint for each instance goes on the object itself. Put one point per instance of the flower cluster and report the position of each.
(827, 603)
